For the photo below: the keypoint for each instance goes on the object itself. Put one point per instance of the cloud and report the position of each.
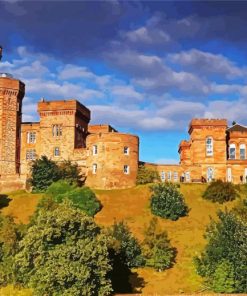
(205, 63)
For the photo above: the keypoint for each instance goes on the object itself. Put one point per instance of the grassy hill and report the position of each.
(132, 206)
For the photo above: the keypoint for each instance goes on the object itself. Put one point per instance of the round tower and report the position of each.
(112, 160)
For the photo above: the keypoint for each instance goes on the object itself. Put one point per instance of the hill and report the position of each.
(132, 206)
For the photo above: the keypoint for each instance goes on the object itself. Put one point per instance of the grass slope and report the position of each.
(186, 234)
(132, 206)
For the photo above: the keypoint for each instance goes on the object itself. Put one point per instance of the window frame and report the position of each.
(126, 150)
(232, 146)
(95, 149)
(243, 149)
(30, 154)
(94, 168)
(55, 152)
(31, 137)
(126, 169)
(209, 147)
(57, 130)
(163, 176)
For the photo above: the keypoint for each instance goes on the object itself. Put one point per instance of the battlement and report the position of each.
(63, 105)
(183, 144)
(205, 122)
(101, 128)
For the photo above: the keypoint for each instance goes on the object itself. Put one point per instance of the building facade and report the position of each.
(213, 151)
(108, 159)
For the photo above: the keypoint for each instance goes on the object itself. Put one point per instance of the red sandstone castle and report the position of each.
(107, 158)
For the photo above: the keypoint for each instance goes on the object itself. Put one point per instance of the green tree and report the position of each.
(83, 198)
(219, 191)
(70, 172)
(146, 175)
(44, 172)
(167, 201)
(126, 245)
(64, 253)
(157, 249)
(226, 249)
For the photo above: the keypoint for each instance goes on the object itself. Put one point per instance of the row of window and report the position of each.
(56, 132)
(173, 176)
(126, 169)
(126, 150)
(31, 153)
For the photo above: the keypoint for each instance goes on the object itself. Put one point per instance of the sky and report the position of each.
(146, 68)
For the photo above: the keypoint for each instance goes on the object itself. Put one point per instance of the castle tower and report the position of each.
(11, 94)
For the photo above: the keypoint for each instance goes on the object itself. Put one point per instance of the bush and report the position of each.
(146, 175)
(64, 253)
(157, 249)
(44, 172)
(219, 191)
(82, 198)
(167, 201)
(223, 263)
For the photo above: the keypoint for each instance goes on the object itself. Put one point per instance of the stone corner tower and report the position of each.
(11, 94)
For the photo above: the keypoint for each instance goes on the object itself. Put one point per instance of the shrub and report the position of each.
(167, 201)
(82, 198)
(64, 253)
(146, 175)
(219, 191)
(223, 263)
(70, 172)
(157, 249)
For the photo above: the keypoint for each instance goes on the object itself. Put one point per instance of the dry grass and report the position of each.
(21, 206)
(186, 234)
(132, 206)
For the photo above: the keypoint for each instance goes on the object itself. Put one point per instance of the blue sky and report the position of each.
(145, 67)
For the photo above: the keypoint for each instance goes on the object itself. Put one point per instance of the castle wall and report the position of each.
(110, 160)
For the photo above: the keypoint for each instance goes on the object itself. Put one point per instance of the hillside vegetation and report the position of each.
(132, 207)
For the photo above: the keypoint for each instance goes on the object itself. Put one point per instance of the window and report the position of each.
(126, 169)
(169, 176)
(56, 151)
(209, 146)
(187, 176)
(210, 174)
(57, 130)
(232, 151)
(175, 176)
(126, 150)
(229, 175)
(242, 151)
(31, 154)
(31, 137)
(95, 149)
(163, 176)
(94, 168)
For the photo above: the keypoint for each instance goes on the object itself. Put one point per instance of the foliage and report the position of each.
(167, 201)
(219, 191)
(10, 234)
(157, 249)
(82, 198)
(223, 263)
(45, 171)
(70, 172)
(64, 253)
(126, 245)
(240, 210)
(146, 175)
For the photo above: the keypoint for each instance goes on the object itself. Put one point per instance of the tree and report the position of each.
(44, 172)
(83, 198)
(219, 191)
(126, 245)
(70, 172)
(223, 263)
(157, 249)
(167, 201)
(64, 253)
(146, 175)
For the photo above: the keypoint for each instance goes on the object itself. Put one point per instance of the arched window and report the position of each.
(209, 146)
(242, 151)
(232, 151)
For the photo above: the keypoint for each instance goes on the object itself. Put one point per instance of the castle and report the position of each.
(107, 159)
